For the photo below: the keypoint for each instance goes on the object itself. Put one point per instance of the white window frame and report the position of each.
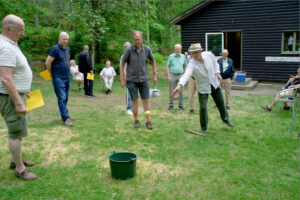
(214, 33)
(294, 44)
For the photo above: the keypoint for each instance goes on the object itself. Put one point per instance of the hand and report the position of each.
(176, 91)
(28, 95)
(219, 78)
(169, 79)
(92, 72)
(122, 83)
(154, 78)
(20, 109)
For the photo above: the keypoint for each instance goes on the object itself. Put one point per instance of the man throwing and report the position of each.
(136, 56)
(205, 69)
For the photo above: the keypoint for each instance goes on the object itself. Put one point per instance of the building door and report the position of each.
(232, 42)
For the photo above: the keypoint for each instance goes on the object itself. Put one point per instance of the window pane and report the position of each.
(297, 44)
(287, 45)
(214, 43)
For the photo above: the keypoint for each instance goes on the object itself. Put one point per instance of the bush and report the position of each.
(159, 58)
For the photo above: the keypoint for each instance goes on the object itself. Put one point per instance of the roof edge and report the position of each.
(189, 12)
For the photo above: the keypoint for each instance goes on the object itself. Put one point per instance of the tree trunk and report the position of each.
(93, 52)
(147, 21)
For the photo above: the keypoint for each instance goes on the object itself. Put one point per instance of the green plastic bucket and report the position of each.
(123, 165)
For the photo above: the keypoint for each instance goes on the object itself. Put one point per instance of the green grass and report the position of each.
(256, 159)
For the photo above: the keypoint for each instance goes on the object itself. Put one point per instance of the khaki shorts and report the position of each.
(286, 93)
(16, 123)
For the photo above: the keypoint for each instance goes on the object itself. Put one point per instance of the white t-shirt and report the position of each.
(108, 71)
(11, 56)
(73, 70)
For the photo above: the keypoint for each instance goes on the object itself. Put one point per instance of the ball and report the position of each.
(147, 112)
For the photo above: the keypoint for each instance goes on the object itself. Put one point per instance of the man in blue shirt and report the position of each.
(57, 64)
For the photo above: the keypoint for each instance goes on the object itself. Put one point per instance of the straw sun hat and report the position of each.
(195, 47)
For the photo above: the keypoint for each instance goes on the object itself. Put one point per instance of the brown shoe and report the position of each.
(25, 162)
(25, 175)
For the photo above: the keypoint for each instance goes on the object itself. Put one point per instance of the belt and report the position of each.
(177, 74)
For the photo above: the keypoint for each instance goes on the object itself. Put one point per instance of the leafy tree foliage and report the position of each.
(102, 24)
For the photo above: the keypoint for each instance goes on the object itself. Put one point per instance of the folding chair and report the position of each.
(294, 102)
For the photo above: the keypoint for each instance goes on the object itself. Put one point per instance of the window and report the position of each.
(214, 43)
(290, 42)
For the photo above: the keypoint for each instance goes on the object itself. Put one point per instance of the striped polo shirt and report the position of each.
(11, 56)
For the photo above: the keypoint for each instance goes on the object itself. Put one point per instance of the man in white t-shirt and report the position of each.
(107, 74)
(16, 78)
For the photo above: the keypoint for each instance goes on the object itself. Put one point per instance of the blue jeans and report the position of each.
(61, 88)
(128, 99)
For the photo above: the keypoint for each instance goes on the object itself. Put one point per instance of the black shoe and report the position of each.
(191, 111)
(286, 107)
(109, 91)
(149, 125)
(170, 107)
(228, 107)
(228, 123)
(137, 124)
(266, 108)
(106, 91)
(181, 107)
(91, 96)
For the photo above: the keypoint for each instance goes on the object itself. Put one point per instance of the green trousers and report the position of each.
(218, 99)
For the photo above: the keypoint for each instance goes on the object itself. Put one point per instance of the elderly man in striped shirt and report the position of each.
(16, 78)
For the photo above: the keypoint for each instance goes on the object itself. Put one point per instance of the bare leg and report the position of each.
(79, 83)
(15, 147)
(146, 106)
(135, 108)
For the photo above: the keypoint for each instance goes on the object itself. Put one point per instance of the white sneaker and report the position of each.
(129, 112)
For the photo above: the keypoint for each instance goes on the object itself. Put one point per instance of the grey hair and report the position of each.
(126, 44)
(63, 34)
(178, 45)
(137, 33)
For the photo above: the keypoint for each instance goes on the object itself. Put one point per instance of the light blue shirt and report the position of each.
(225, 64)
(176, 63)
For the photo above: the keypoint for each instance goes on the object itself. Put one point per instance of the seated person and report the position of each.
(292, 83)
(77, 76)
(107, 74)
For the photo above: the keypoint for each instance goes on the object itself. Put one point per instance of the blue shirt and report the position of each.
(60, 67)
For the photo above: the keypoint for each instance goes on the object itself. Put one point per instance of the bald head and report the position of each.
(13, 27)
(225, 53)
(85, 48)
(126, 44)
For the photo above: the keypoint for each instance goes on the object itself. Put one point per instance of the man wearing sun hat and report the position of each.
(205, 69)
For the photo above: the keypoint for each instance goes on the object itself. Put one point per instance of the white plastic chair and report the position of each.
(293, 101)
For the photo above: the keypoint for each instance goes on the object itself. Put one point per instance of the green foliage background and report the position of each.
(106, 24)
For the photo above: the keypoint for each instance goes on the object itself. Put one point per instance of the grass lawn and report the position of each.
(256, 159)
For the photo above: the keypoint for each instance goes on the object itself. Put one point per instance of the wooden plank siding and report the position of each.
(261, 23)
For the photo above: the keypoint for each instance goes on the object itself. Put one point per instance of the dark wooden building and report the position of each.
(262, 36)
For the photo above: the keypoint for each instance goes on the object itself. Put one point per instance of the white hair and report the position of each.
(177, 45)
(126, 44)
(63, 34)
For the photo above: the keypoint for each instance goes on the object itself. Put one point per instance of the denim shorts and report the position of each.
(133, 88)
(16, 123)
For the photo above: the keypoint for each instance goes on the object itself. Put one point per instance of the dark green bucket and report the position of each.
(122, 165)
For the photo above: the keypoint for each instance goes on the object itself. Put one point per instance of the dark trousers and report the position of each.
(218, 99)
(88, 85)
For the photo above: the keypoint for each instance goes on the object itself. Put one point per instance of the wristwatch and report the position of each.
(155, 73)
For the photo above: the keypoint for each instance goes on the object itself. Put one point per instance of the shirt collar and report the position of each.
(135, 49)
(59, 46)
(8, 40)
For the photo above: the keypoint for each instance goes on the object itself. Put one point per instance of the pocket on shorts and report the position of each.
(15, 123)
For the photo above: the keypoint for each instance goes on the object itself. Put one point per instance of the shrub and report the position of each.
(159, 58)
